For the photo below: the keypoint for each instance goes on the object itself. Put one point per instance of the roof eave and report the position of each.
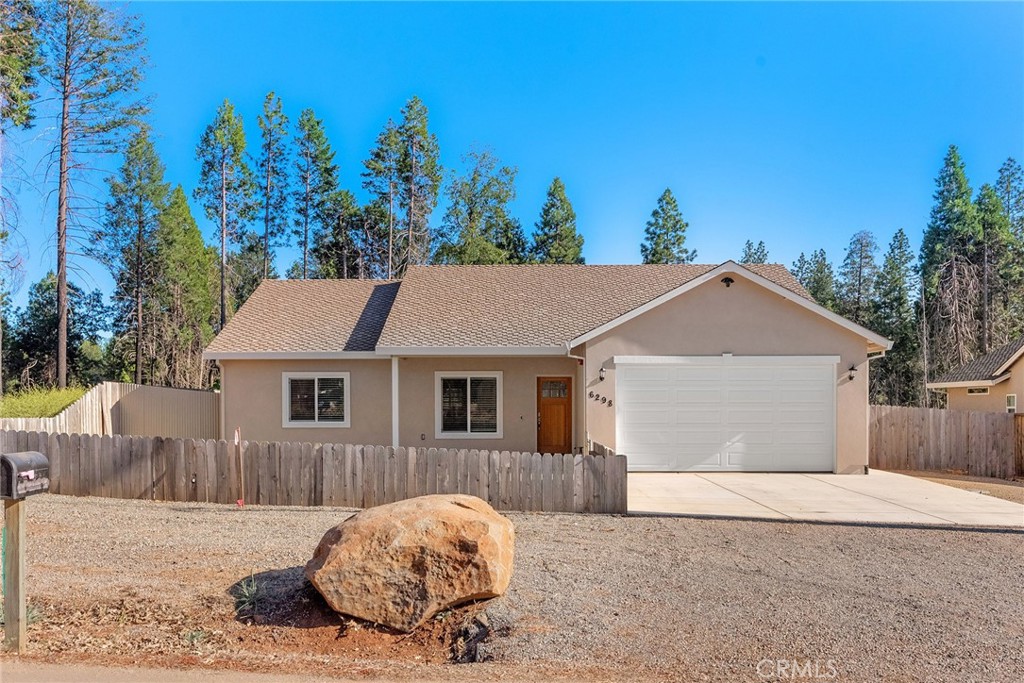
(471, 350)
(991, 382)
(292, 355)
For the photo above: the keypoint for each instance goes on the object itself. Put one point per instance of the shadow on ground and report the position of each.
(284, 598)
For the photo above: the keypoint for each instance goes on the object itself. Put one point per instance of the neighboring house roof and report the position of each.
(531, 306)
(466, 310)
(992, 368)
(295, 317)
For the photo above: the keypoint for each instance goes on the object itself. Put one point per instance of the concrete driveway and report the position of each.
(879, 498)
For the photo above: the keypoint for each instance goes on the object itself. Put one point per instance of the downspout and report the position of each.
(580, 388)
(394, 401)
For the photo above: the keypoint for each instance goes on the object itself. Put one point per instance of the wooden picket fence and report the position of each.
(308, 474)
(979, 443)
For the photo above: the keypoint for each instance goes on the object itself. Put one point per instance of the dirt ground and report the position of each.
(1007, 489)
(592, 598)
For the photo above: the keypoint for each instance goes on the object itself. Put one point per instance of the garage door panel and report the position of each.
(696, 395)
(740, 415)
(697, 416)
(732, 437)
(692, 373)
(749, 374)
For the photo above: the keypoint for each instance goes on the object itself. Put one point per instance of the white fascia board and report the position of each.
(292, 355)
(471, 350)
(736, 269)
(1013, 359)
(975, 383)
(725, 360)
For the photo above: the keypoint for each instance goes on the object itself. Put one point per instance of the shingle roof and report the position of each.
(453, 306)
(531, 305)
(308, 316)
(984, 367)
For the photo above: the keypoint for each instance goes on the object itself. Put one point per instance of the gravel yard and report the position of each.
(592, 597)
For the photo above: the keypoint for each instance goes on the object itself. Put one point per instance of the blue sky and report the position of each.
(797, 124)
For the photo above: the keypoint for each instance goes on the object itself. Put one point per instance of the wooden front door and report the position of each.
(554, 414)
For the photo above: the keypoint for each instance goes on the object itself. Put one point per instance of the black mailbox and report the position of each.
(22, 474)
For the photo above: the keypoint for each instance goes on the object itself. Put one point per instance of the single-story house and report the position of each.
(989, 383)
(679, 367)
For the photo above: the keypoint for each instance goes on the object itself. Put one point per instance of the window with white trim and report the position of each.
(977, 391)
(1011, 403)
(315, 399)
(467, 405)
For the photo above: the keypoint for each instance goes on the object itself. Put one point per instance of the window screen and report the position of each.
(1011, 403)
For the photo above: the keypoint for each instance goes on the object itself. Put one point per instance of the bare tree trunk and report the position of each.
(344, 246)
(924, 349)
(984, 298)
(62, 210)
(223, 243)
(412, 208)
(138, 305)
(305, 227)
(266, 211)
(3, 227)
(391, 229)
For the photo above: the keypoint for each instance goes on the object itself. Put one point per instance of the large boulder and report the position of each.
(399, 564)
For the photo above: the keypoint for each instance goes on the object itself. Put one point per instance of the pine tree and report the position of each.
(996, 265)
(665, 234)
(817, 277)
(419, 174)
(381, 179)
(316, 186)
(950, 276)
(245, 266)
(477, 227)
(1010, 190)
(754, 253)
(856, 282)
(896, 377)
(555, 239)
(226, 186)
(342, 248)
(272, 167)
(125, 241)
(32, 352)
(94, 61)
(185, 303)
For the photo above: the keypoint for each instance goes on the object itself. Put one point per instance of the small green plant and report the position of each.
(193, 638)
(32, 614)
(39, 402)
(248, 594)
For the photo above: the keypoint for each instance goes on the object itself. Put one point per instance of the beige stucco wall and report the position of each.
(745, 320)
(519, 399)
(995, 400)
(252, 400)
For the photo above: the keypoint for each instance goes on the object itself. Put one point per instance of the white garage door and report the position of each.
(755, 414)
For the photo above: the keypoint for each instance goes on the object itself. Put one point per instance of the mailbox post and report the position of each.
(21, 475)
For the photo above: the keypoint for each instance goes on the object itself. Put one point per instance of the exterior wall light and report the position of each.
(601, 374)
(853, 372)
(727, 281)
